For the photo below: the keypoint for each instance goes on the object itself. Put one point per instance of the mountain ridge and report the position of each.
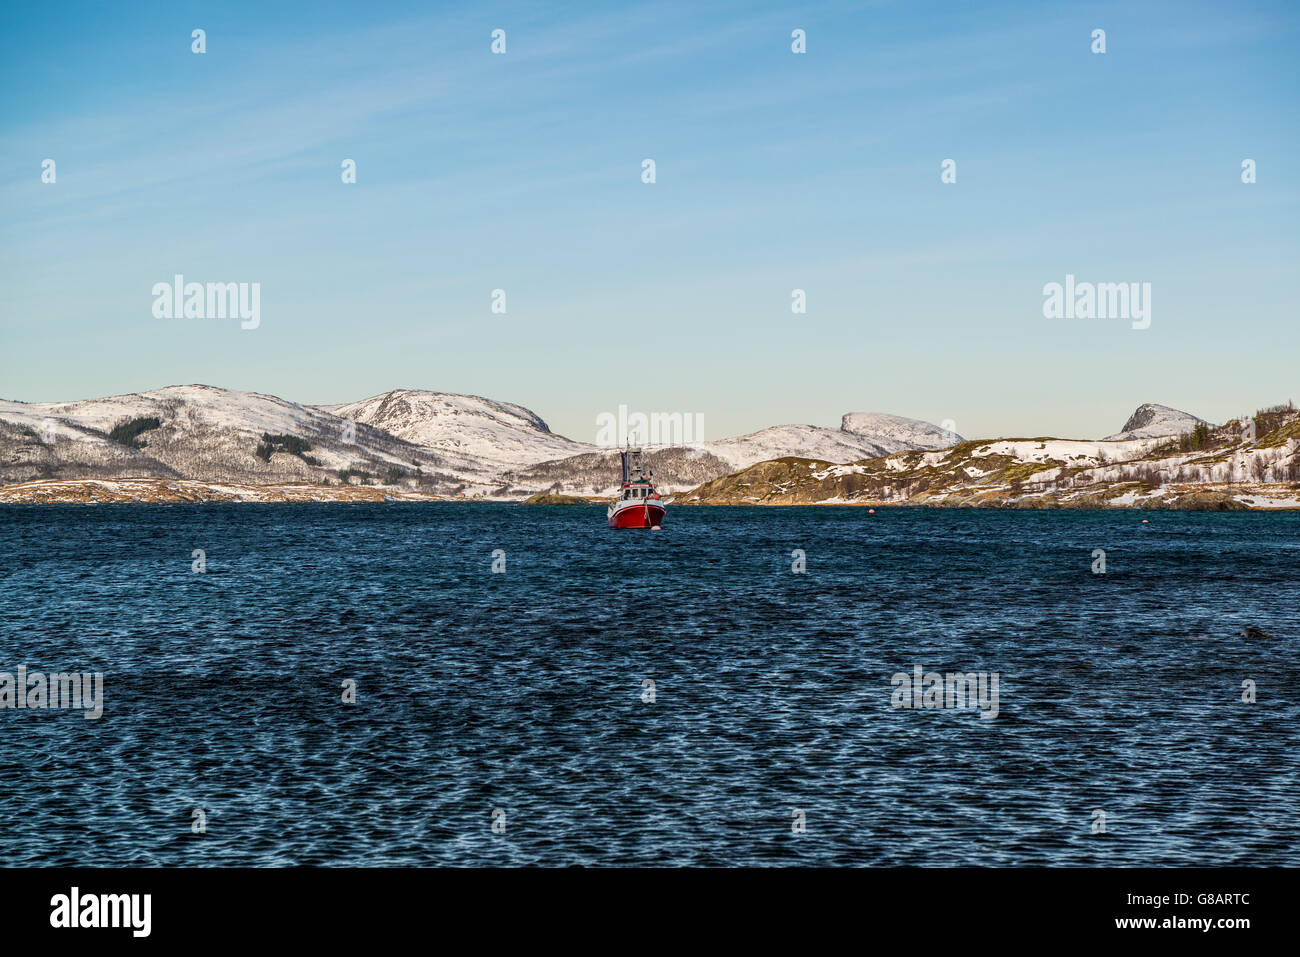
(443, 445)
(1236, 465)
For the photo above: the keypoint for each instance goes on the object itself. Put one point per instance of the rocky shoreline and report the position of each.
(166, 491)
(1219, 497)
(1172, 498)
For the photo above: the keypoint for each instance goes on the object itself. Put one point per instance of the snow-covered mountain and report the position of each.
(861, 435)
(1151, 421)
(470, 432)
(807, 441)
(894, 433)
(597, 473)
(1220, 468)
(198, 432)
(441, 444)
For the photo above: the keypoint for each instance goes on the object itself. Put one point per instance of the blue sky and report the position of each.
(775, 171)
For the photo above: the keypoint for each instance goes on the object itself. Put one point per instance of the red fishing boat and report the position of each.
(638, 504)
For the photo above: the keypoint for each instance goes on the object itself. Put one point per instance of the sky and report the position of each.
(774, 171)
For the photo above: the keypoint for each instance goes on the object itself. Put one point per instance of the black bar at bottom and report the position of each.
(958, 906)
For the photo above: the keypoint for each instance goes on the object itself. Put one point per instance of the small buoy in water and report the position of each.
(871, 511)
(654, 528)
(1144, 521)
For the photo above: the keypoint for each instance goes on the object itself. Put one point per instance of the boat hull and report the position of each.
(642, 514)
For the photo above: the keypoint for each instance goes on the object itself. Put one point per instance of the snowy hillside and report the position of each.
(472, 433)
(1218, 467)
(809, 441)
(438, 442)
(1155, 421)
(860, 435)
(476, 436)
(434, 444)
(895, 433)
(598, 473)
(196, 432)
(678, 468)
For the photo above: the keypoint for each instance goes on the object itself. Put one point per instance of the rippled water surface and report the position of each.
(523, 691)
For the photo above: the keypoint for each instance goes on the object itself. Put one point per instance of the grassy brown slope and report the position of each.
(968, 474)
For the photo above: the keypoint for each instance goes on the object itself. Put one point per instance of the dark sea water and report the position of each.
(522, 691)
